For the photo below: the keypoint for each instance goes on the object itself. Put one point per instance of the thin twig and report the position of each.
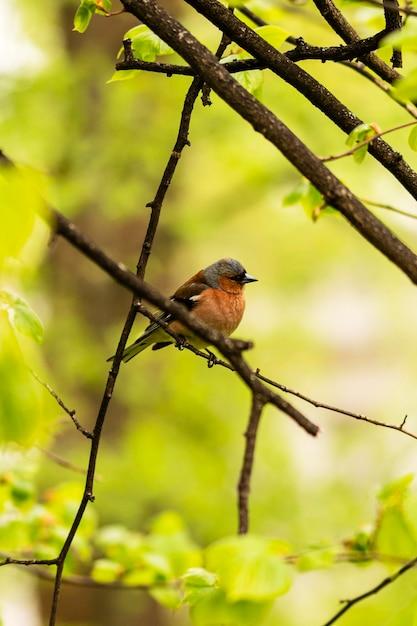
(384, 583)
(61, 462)
(366, 142)
(155, 205)
(70, 412)
(212, 361)
(389, 207)
(337, 21)
(361, 69)
(393, 5)
(246, 471)
(12, 561)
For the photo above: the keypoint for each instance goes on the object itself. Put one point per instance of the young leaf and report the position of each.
(105, 4)
(106, 571)
(406, 88)
(252, 80)
(145, 44)
(295, 196)
(83, 15)
(199, 577)
(272, 34)
(22, 317)
(316, 558)
(166, 596)
(213, 608)
(360, 133)
(406, 37)
(249, 568)
(121, 75)
(412, 139)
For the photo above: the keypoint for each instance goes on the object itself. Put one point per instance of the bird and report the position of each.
(215, 295)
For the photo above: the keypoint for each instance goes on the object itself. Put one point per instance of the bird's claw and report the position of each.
(181, 341)
(212, 359)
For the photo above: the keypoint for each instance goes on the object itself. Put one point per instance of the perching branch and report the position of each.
(212, 360)
(155, 205)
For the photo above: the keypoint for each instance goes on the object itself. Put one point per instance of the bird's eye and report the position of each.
(239, 278)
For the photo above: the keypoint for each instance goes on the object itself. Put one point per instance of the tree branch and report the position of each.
(393, 22)
(70, 412)
(335, 18)
(361, 69)
(155, 205)
(305, 84)
(265, 122)
(212, 360)
(247, 466)
(384, 583)
(366, 142)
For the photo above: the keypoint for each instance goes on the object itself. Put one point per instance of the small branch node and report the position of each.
(128, 52)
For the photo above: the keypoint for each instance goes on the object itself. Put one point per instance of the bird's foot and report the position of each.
(212, 360)
(180, 343)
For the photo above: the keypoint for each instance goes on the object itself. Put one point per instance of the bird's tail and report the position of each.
(135, 348)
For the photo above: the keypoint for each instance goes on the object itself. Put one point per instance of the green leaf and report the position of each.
(317, 558)
(360, 133)
(167, 523)
(120, 544)
(214, 609)
(145, 44)
(249, 568)
(412, 139)
(296, 195)
(21, 316)
(121, 75)
(105, 4)
(167, 596)
(272, 34)
(394, 493)
(251, 80)
(199, 577)
(23, 411)
(360, 154)
(83, 15)
(406, 88)
(394, 535)
(20, 200)
(106, 571)
(405, 38)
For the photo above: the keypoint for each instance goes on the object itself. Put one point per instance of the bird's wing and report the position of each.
(187, 295)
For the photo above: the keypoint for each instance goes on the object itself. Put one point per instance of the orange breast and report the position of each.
(218, 309)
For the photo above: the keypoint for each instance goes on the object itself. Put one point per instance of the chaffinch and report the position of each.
(214, 295)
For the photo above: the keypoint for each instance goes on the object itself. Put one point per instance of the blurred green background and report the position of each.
(330, 316)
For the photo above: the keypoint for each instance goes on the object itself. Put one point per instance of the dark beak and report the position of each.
(249, 279)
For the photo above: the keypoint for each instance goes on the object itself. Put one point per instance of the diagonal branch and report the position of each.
(265, 122)
(384, 583)
(335, 18)
(212, 360)
(305, 84)
(155, 205)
